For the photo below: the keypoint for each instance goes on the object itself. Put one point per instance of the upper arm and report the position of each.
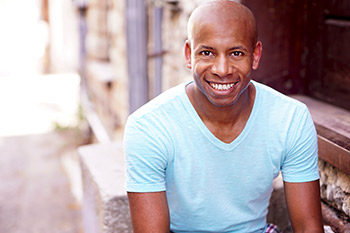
(304, 206)
(146, 158)
(299, 162)
(149, 212)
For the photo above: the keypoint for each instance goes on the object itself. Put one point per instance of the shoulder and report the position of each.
(275, 100)
(280, 113)
(150, 129)
(157, 114)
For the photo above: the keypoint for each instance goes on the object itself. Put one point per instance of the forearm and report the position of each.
(304, 206)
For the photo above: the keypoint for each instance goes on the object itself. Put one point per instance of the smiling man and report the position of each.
(201, 157)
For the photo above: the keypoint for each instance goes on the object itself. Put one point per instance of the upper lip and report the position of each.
(222, 83)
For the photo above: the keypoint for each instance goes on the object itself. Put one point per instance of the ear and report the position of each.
(257, 55)
(187, 53)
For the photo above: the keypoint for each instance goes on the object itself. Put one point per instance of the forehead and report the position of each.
(222, 19)
(221, 32)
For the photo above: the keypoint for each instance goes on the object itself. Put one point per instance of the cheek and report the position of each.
(197, 75)
(248, 69)
(199, 68)
(244, 67)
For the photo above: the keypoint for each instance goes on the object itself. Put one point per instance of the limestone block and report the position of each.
(97, 46)
(174, 35)
(118, 58)
(335, 187)
(120, 92)
(328, 229)
(346, 205)
(101, 71)
(96, 19)
(91, 18)
(93, 3)
(105, 205)
(116, 22)
(343, 181)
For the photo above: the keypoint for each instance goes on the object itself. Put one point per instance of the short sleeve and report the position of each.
(145, 158)
(300, 161)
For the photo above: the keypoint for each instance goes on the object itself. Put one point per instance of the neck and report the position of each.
(227, 115)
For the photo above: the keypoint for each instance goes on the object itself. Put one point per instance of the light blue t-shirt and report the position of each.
(212, 186)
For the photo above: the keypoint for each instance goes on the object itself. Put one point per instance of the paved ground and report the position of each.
(39, 173)
(39, 189)
(35, 193)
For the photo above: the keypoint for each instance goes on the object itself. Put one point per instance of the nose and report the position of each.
(221, 66)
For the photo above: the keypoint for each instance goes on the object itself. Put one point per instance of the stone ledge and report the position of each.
(332, 125)
(105, 205)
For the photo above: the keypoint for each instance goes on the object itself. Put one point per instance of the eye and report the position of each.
(237, 53)
(207, 53)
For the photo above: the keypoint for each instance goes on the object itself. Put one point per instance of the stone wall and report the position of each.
(175, 18)
(335, 188)
(106, 65)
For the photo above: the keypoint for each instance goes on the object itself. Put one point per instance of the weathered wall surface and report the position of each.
(335, 187)
(106, 68)
(106, 65)
(105, 204)
(174, 37)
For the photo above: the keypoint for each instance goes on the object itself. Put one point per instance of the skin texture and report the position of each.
(149, 212)
(304, 206)
(222, 48)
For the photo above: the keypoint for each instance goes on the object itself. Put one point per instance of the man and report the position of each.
(202, 156)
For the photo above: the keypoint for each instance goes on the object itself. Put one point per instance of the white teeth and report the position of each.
(222, 86)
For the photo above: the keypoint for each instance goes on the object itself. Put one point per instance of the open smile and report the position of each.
(222, 87)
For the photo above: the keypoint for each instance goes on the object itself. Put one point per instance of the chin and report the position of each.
(223, 104)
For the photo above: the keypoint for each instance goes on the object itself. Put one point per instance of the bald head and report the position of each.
(222, 11)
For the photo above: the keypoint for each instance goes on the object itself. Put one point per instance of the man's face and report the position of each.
(221, 54)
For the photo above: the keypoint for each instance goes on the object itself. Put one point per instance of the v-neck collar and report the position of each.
(208, 134)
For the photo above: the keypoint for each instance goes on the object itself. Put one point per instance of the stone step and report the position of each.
(105, 205)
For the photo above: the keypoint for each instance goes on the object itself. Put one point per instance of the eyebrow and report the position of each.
(206, 47)
(238, 47)
(233, 48)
